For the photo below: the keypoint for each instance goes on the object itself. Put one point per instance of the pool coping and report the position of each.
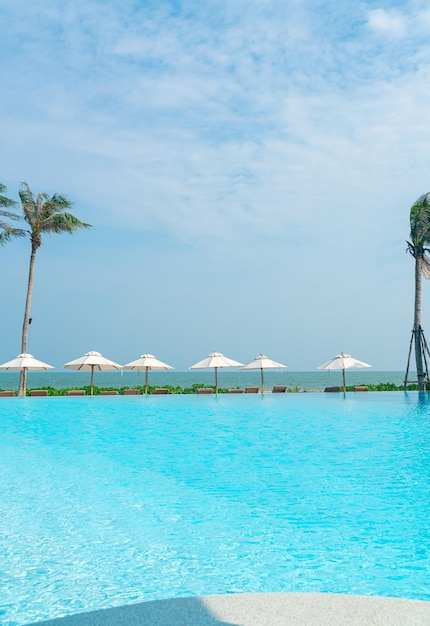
(259, 609)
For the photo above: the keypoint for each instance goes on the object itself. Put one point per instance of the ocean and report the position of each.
(304, 381)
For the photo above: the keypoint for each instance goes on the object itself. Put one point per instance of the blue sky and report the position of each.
(248, 169)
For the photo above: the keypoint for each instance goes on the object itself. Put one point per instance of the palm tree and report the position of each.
(6, 230)
(420, 238)
(43, 214)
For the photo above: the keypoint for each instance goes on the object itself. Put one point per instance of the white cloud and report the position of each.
(388, 22)
(398, 25)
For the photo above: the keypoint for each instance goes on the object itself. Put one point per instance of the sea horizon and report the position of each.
(303, 380)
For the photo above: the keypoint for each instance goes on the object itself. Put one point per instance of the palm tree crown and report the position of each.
(420, 232)
(45, 214)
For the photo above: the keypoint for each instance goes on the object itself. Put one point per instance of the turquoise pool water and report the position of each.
(109, 501)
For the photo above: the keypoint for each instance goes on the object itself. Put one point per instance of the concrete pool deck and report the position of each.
(260, 609)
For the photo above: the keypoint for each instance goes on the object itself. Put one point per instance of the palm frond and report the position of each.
(410, 248)
(420, 221)
(425, 265)
(52, 207)
(64, 223)
(7, 201)
(424, 254)
(61, 202)
(7, 233)
(28, 203)
(4, 201)
(9, 215)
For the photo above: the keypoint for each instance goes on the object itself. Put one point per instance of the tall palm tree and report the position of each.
(43, 214)
(420, 239)
(6, 230)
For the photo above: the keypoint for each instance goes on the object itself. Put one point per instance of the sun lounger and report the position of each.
(7, 394)
(203, 390)
(131, 392)
(109, 393)
(251, 390)
(279, 389)
(235, 391)
(361, 388)
(76, 392)
(334, 389)
(161, 391)
(38, 392)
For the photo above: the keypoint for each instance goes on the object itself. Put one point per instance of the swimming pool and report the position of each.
(114, 500)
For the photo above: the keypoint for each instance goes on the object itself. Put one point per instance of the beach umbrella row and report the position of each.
(93, 361)
(261, 362)
(216, 360)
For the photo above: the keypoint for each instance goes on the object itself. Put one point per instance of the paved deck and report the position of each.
(262, 609)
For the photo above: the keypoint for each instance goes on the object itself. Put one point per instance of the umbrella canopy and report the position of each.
(262, 362)
(215, 360)
(342, 362)
(145, 363)
(92, 361)
(25, 362)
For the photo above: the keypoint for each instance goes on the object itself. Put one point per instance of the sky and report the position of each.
(247, 167)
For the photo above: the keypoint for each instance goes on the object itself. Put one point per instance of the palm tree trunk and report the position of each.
(417, 325)
(23, 376)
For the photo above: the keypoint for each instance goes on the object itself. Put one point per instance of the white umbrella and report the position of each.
(342, 362)
(147, 362)
(25, 362)
(215, 360)
(93, 361)
(262, 362)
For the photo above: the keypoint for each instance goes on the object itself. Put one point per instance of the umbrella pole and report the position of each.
(92, 381)
(146, 381)
(343, 379)
(262, 380)
(216, 380)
